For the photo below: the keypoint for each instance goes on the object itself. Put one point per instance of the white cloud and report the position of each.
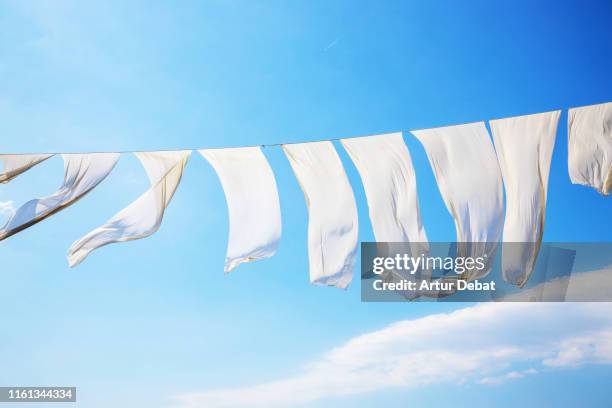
(583, 349)
(512, 375)
(479, 344)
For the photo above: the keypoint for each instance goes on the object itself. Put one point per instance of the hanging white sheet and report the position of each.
(469, 180)
(15, 164)
(524, 146)
(332, 225)
(82, 172)
(590, 146)
(252, 201)
(386, 170)
(144, 215)
(389, 181)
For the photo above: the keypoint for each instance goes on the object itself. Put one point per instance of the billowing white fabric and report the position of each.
(386, 170)
(332, 224)
(524, 146)
(590, 146)
(144, 215)
(469, 180)
(388, 178)
(82, 172)
(252, 201)
(15, 164)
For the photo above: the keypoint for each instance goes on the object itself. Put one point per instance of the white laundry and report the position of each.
(469, 180)
(252, 201)
(389, 181)
(589, 143)
(144, 215)
(332, 225)
(386, 170)
(524, 146)
(82, 172)
(15, 164)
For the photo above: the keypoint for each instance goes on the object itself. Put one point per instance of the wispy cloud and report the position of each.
(480, 345)
(512, 375)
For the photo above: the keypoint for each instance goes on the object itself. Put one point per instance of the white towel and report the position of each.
(144, 215)
(82, 172)
(252, 201)
(469, 180)
(332, 224)
(590, 146)
(15, 164)
(386, 170)
(524, 146)
(388, 178)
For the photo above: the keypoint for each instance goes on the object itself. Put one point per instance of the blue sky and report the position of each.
(143, 323)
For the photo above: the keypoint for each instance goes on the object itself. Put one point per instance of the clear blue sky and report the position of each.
(140, 323)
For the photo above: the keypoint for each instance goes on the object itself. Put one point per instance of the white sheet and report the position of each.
(252, 201)
(590, 146)
(332, 225)
(524, 146)
(389, 181)
(386, 170)
(469, 180)
(144, 215)
(15, 164)
(82, 172)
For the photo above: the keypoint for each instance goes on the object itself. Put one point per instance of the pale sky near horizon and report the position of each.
(156, 323)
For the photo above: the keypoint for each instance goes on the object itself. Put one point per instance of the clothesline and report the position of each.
(214, 148)
(264, 145)
(471, 165)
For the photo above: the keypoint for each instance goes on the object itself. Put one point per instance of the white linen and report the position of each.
(15, 164)
(144, 215)
(385, 167)
(590, 146)
(469, 180)
(386, 170)
(524, 146)
(82, 172)
(252, 201)
(332, 225)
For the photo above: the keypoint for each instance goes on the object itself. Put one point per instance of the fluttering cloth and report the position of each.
(252, 201)
(386, 170)
(15, 164)
(469, 180)
(82, 172)
(332, 224)
(524, 146)
(590, 146)
(389, 181)
(144, 215)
